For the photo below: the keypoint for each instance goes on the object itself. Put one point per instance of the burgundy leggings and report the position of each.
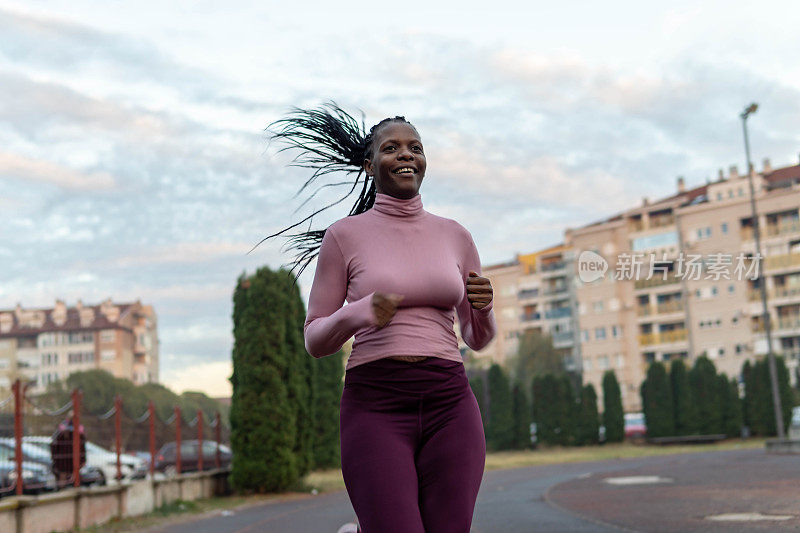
(413, 448)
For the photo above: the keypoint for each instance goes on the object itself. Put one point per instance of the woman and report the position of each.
(412, 441)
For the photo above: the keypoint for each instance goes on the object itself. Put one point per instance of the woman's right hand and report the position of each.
(384, 306)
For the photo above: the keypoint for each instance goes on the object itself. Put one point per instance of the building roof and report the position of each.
(28, 322)
(774, 178)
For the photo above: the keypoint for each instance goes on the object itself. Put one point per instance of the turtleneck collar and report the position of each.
(389, 205)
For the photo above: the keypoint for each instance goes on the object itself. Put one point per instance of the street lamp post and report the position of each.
(773, 370)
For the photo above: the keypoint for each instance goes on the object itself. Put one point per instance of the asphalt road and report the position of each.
(575, 497)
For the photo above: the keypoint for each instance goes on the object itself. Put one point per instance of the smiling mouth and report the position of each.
(404, 171)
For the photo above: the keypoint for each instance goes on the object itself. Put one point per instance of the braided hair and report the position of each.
(329, 140)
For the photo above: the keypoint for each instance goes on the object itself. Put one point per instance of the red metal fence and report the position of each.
(44, 448)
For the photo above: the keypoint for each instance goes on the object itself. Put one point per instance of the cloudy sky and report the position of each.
(134, 162)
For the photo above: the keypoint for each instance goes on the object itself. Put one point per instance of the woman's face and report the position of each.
(398, 160)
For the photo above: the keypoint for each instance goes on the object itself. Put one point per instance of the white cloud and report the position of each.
(20, 167)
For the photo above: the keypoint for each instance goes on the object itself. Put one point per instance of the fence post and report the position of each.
(217, 461)
(76, 438)
(178, 439)
(151, 409)
(118, 433)
(200, 439)
(17, 388)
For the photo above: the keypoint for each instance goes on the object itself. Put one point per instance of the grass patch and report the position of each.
(328, 480)
(555, 455)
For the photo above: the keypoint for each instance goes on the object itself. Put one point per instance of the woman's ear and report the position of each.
(368, 167)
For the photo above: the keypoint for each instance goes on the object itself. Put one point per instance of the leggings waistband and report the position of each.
(402, 376)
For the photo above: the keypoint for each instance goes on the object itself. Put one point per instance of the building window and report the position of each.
(585, 335)
(616, 331)
(107, 335)
(597, 306)
(714, 290)
(602, 362)
(587, 364)
(108, 355)
(600, 333)
(724, 227)
(620, 360)
(731, 289)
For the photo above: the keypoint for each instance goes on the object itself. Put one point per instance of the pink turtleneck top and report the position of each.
(395, 247)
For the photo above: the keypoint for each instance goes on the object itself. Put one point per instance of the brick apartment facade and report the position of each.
(624, 324)
(41, 346)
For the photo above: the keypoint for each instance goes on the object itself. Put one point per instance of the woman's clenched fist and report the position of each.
(384, 306)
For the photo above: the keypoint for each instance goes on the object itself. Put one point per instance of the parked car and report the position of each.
(166, 457)
(36, 474)
(36, 478)
(102, 460)
(635, 427)
(35, 452)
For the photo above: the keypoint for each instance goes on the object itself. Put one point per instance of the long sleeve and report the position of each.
(328, 325)
(478, 326)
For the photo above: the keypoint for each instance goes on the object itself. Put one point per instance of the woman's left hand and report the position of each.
(479, 290)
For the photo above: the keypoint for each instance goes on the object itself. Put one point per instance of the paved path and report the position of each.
(571, 497)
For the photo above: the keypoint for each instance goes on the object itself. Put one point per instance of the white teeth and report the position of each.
(404, 170)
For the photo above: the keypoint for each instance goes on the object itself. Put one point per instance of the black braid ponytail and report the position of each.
(329, 140)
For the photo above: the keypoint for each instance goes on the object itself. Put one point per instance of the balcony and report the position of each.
(550, 291)
(563, 337)
(530, 317)
(550, 267)
(789, 322)
(525, 294)
(560, 312)
(656, 281)
(660, 222)
(782, 261)
(663, 337)
(778, 292)
(635, 226)
(672, 306)
(784, 322)
(772, 230)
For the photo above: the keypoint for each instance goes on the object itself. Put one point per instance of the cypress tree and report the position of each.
(657, 402)
(706, 413)
(522, 418)
(329, 373)
(613, 417)
(263, 420)
(681, 396)
(758, 395)
(500, 433)
(477, 386)
(300, 374)
(732, 412)
(589, 420)
(567, 411)
(543, 398)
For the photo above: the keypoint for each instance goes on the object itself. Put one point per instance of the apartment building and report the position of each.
(534, 292)
(682, 280)
(41, 346)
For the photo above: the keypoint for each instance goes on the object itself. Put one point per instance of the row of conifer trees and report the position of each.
(285, 406)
